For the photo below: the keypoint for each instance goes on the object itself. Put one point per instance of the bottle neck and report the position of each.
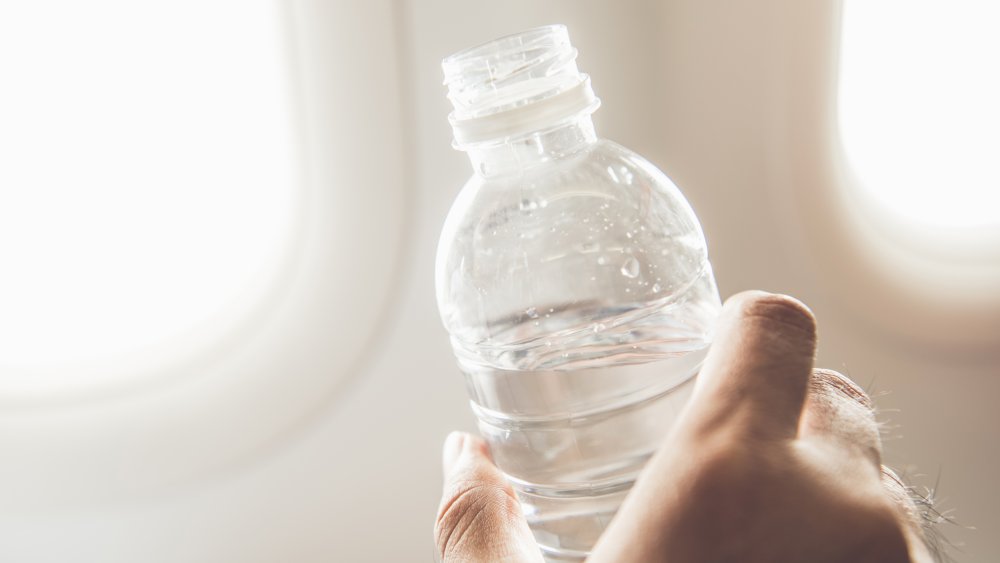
(512, 156)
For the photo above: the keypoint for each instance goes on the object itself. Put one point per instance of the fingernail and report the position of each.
(452, 451)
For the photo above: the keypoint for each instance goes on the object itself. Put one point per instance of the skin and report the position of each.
(772, 460)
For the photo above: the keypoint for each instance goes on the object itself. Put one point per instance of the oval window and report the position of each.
(147, 178)
(919, 116)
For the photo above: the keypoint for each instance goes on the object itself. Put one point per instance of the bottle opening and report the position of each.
(516, 84)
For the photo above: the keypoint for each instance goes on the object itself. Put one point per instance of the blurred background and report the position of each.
(218, 219)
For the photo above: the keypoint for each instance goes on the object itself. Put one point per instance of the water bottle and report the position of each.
(574, 281)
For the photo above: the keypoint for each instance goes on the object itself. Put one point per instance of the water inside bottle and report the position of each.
(572, 416)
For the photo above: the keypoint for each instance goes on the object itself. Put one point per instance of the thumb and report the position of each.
(756, 375)
(479, 518)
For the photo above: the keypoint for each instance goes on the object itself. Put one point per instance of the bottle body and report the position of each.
(580, 302)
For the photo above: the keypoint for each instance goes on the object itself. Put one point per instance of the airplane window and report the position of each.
(146, 177)
(919, 117)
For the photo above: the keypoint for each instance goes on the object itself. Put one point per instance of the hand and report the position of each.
(770, 461)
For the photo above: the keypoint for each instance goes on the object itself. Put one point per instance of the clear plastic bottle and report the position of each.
(574, 281)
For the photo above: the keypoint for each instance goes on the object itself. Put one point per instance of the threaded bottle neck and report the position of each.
(517, 85)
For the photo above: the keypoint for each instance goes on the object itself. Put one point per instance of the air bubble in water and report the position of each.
(630, 268)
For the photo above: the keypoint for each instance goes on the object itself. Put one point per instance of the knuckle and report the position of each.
(902, 500)
(845, 411)
(835, 383)
(473, 508)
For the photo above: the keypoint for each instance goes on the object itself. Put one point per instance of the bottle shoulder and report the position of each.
(604, 174)
(588, 164)
(609, 199)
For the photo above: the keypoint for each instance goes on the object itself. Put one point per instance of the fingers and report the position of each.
(837, 410)
(755, 377)
(916, 536)
(751, 388)
(479, 518)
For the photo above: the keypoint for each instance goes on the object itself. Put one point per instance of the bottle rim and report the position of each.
(515, 85)
(553, 30)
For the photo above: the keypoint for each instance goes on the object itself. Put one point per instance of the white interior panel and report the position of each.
(311, 430)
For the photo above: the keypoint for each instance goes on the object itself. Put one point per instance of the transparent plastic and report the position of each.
(574, 280)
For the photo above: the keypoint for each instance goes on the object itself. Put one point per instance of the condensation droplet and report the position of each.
(664, 251)
(630, 268)
(531, 312)
(628, 234)
(656, 288)
(598, 327)
(601, 260)
(528, 205)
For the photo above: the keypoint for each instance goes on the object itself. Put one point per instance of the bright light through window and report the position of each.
(145, 172)
(920, 107)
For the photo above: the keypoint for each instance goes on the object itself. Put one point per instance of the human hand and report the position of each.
(770, 461)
